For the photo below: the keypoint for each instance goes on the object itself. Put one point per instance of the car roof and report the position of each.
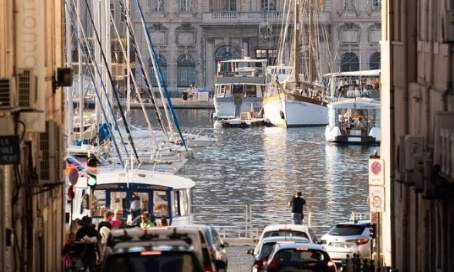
(284, 238)
(295, 245)
(357, 223)
(286, 226)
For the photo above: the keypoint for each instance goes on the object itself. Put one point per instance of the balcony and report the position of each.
(253, 18)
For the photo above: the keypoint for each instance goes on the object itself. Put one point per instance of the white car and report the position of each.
(348, 238)
(284, 230)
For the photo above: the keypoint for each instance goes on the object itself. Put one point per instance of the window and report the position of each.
(350, 5)
(376, 5)
(349, 62)
(151, 71)
(374, 61)
(157, 5)
(186, 71)
(269, 5)
(229, 5)
(269, 54)
(185, 5)
(160, 203)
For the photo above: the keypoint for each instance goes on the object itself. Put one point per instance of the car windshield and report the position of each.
(155, 260)
(301, 258)
(282, 233)
(347, 230)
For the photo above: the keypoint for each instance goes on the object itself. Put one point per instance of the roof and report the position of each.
(286, 226)
(307, 245)
(146, 177)
(355, 103)
(355, 73)
(284, 239)
(246, 59)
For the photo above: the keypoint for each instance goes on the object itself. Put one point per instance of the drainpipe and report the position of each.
(448, 90)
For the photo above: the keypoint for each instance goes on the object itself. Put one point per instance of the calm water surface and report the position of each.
(266, 165)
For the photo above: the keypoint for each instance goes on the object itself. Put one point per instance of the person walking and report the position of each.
(297, 203)
(185, 96)
(108, 216)
(116, 221)
(90, 239)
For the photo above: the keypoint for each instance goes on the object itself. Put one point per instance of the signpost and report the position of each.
(376, 185)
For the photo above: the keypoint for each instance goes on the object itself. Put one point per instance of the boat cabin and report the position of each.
(133, 192)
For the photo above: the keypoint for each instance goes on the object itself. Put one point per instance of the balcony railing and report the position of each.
(253, 18)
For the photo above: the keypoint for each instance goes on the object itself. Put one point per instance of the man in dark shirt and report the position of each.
(297, 203)
(89, 236)
(106, 223)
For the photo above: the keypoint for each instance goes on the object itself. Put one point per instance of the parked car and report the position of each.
(216, 246)
(265, 248)
(283, 230)
(348, 238)
(156, 239)
(299, 257)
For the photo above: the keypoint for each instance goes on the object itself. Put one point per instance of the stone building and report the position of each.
(418, 135)
(32, 191)
(191, 36)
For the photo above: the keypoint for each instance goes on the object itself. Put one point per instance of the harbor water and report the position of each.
(265, 166)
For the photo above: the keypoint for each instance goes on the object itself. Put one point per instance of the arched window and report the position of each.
(374, 61)
(349, 62)
(186, 71)
(226, 53)
(163, 65)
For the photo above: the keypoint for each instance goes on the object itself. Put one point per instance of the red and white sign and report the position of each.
(377, 198)
(376, 172)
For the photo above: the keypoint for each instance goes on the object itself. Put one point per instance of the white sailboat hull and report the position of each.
(286, 111)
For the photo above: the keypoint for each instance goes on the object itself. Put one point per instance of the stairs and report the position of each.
(237, 110)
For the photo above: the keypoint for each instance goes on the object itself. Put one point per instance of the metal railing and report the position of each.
(248, 221)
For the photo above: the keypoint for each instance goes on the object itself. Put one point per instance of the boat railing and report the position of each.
(248, 221)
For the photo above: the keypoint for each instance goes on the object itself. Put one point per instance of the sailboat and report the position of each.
(291, 99)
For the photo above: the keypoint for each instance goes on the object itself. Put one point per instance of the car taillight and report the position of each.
(330, 264)
(259, 263)
(361, 241)
(208, 269)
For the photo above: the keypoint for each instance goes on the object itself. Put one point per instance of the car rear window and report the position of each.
(156, 261)
(283, 233)
(301, 258)
(347, 230)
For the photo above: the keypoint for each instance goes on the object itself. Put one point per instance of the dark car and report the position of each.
(155, 239)
(180, 258)
(299, 257)
(216, 246)
(265, 248)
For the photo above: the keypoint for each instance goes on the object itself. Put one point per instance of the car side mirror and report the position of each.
(250, 251)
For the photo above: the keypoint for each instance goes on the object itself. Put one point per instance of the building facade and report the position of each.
(417, 135)
(32, 191)
(190, 36)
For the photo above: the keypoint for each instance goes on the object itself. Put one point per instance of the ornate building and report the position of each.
(191, 36)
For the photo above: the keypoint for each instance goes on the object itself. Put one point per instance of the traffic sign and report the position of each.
(376, 172)
(377, 198)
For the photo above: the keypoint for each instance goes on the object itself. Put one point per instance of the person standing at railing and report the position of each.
(297, 203)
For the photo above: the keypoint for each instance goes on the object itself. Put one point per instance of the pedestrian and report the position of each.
(108, 216)
(185, 96)
(116, 221)
(164, 222)
(71, 253)
(146, 222)
(297, 203)
(90, 237)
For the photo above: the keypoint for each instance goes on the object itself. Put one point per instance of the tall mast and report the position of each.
(311, 11)
(296, 39)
